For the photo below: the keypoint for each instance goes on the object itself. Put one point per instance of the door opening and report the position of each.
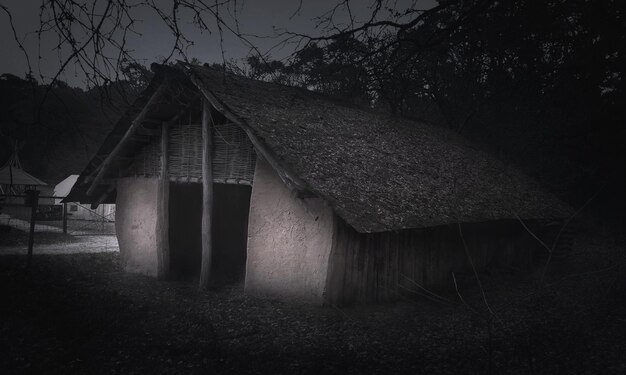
(231, 205)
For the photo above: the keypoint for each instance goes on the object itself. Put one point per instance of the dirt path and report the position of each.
(12, 222)
(79, 245)
(75, 227)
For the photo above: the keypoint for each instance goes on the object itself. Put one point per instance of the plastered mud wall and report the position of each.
(289, 241)
(136, 223)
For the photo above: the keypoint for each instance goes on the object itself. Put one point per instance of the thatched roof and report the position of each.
(377, 172)
(18, 176)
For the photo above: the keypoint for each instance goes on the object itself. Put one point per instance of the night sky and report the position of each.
(260, 18)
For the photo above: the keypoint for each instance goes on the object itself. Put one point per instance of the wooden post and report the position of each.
(163, 196)
(33, 198)
(207, 195)
(65, 218)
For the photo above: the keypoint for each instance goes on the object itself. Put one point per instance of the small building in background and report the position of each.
(14, 182)
(77, 211)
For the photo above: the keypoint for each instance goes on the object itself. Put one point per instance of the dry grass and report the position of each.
(82, 314)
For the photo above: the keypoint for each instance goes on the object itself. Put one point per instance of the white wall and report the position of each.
(64, 187)
(104, 212)
(78, 211)
(289, 241)
(136, 224)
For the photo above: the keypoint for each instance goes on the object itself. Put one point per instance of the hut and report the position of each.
(14, 182)
(75, 211)
(301, 195)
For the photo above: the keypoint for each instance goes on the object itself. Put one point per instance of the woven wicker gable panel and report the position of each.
(233, 158)
(185, 152)
(147, 162)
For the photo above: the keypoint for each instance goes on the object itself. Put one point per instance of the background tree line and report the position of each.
(539, 83)
(57, 128)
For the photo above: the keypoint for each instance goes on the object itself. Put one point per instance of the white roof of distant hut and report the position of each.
(64, 187)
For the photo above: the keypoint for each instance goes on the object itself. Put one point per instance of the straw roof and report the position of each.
(377, 172)
(19, 177)
(12, 172)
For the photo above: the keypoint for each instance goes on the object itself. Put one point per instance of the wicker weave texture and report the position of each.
(233, 155)
(234, 158)
(185, 151)
(147, 162)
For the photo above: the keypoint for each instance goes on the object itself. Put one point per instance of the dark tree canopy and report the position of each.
(58, 136)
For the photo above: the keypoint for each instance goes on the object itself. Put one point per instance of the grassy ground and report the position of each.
(82, 314)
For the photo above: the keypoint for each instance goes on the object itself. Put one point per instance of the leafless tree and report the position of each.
(93, 36)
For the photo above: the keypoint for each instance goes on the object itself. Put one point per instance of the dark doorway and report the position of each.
(185, 209)
(231, 205)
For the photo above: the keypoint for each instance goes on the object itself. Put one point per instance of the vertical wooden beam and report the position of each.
(65, 218)
(207, 195)
(163, 197)
(33, 197)
(336, 267)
